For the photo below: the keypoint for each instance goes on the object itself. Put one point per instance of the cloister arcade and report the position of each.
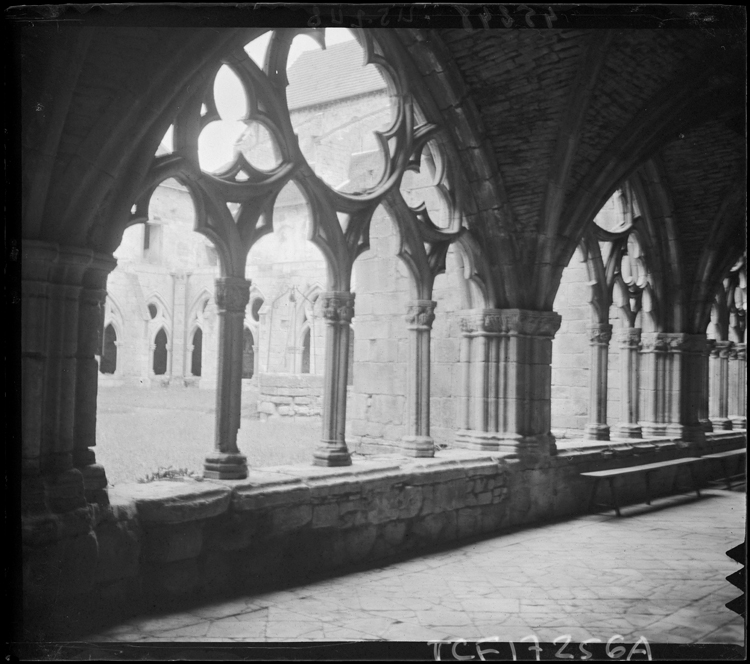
(546, 245)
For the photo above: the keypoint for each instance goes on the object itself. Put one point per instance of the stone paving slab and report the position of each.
(658, 573)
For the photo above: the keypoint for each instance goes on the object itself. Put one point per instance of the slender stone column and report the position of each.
(338, 311)
(417, 441)
(179, 342)
(685, 367)
(511, 371)
(465, 386)
(737, 382)
(630, 343)
(36, 265)
(52, 285)
(91, 321)
(672, 385)
(703, 407)
(226, 463)
(655, 402)
(720, 386)
(599, 336)
(478, 338)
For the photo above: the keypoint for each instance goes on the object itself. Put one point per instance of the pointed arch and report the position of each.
(160, 357)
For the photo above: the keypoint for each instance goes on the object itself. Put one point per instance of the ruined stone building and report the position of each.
(465, 251)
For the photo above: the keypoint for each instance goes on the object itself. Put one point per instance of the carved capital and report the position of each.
(741, 351)
(337, 307)
(232, 294)
(600, 334)
(420, 314)
(511, 321)
(676, 341)
(722, 349)
(652, 342)
(630, 337)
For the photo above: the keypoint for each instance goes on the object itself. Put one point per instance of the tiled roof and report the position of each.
(318, 76)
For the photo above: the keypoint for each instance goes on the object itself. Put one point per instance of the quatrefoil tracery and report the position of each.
(267, 156)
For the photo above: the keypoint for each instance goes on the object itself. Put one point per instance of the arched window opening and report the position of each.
(248, 354)
(108, 364)
(305, 368)
(255, 311)
(197, 357)
(152, 311)
(160, 353)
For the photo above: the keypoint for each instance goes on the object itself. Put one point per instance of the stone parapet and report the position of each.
(162, 540)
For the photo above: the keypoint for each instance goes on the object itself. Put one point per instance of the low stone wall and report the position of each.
(289, 395)
(146, 544)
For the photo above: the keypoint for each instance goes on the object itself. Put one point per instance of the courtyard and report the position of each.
(142, 430)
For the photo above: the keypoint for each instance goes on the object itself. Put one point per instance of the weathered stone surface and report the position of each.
(181, 577)
(119, 550)
(285, 519)
(169, 542)
(359, 541)
(176, 502)
(235, 530)
(253, 498)
(325, 516)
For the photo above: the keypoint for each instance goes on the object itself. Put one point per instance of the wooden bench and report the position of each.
(647, 470)
(725, 458)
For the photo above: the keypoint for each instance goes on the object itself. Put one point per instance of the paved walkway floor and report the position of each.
(657, 572)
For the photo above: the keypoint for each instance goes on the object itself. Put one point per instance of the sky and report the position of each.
(216, 142)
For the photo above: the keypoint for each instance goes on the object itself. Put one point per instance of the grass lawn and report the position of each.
(140, 430)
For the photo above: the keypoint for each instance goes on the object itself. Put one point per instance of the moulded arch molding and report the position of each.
(113, 315)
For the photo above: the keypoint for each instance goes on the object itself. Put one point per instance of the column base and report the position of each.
(627, 431)
(738, 421)
(225, 467)
(690, 433)
(653, 430)
(469, 439)
(596, 432)
(721, 423)
(331, 455)
(537, 446)
(706, 425)
(418, 446)
(94, 477)
(65, 491)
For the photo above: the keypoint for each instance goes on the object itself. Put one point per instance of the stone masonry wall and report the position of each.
(289, 395)
(144, 545)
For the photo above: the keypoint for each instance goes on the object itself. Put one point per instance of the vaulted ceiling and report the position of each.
(547, 124)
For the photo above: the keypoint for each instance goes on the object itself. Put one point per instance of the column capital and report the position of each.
(654, 342)
(420, 314)
(337, 306)
(510, 321)
(599, 334)
(629, 337)
(722, 349)
(232, 294)
(741, 351)
(686, 343)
